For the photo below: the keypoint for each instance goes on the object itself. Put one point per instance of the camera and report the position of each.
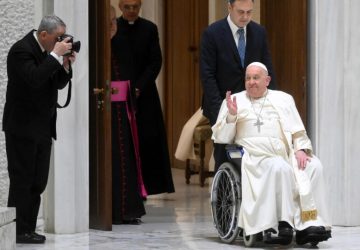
(75, 45)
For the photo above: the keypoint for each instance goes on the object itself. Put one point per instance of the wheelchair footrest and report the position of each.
(281, 240)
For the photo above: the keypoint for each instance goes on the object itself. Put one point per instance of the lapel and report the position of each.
(35, 47)
(250, 42)
(229, 39)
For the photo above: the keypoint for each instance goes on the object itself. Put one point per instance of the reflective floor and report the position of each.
(176, 221)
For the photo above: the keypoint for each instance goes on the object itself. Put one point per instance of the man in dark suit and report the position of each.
(136, 49)
(227, 47)
(36, 69)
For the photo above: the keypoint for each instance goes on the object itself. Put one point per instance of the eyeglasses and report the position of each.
(133, 7)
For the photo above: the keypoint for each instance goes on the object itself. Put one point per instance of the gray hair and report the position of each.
(50, 23)
(232, 1)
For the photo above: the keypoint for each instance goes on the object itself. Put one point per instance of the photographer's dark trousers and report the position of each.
(28, 167)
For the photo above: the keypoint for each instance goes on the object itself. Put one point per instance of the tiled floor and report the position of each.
(176, 221)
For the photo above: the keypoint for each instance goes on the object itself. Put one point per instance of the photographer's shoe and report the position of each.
(30, 238)
(39, 235)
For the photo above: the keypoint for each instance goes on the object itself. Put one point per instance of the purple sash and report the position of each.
(122, 88)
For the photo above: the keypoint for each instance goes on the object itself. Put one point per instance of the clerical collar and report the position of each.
(258, 98)
(37, 40)
(129, 22)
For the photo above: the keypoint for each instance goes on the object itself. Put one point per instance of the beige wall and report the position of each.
(115, 3)
(218, 10)
(256, 14)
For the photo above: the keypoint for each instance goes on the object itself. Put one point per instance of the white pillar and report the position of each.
(66, 203)
(334, 74)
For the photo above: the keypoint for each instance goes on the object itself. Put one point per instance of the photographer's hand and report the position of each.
(68, 60)
(62, 47)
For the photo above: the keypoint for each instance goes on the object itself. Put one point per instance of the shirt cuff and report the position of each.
(231, 118)
(58, 58)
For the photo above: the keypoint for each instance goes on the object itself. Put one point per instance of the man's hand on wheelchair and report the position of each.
(231, 103)
(302, 159)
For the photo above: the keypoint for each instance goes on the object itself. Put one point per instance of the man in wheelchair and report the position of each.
(281, 180)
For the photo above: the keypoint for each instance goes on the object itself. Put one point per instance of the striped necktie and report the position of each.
(241, 45)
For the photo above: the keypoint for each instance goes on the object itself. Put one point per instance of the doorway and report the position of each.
(182, 77)
(288, 46)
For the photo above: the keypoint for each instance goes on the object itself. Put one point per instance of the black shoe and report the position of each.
(30, 238)
(328, 233)
(285, 230)
(285, 238)
(312, 235)
(39, 235)
(133, 221)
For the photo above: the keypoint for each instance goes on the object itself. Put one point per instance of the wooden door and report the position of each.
(100, 116)
(185, 22)
(286, 25)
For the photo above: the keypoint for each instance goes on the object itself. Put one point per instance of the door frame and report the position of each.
(100, 172)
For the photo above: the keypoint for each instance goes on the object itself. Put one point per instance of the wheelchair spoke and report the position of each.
(225, 202)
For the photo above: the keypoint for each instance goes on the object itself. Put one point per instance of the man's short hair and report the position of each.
(50, 23)
(232, 1)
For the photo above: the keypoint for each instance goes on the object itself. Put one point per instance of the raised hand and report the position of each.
(231, 103)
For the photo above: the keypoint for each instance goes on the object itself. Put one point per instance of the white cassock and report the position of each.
(273, 188)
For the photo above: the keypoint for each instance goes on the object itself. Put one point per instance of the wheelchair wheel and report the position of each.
(226, 201)
(250, 240)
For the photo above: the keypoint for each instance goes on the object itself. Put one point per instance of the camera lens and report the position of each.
(76, 46)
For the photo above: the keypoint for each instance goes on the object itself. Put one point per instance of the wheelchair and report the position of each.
(226, 201)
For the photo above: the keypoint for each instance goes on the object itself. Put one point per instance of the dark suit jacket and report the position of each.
(32, 90)
(220, 65)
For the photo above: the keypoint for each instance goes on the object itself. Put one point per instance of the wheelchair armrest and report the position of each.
(234, 154)
(234, 151)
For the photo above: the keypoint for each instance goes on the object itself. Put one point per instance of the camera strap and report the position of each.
(67, 99)
(68, 95)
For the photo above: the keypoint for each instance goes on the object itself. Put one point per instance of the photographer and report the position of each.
(37, 69)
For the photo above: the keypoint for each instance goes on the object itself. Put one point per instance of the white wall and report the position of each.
(67, 195)
(16, 18)
(334, 102)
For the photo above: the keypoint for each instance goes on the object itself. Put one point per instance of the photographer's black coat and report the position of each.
(32, 90)
(29, 122)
